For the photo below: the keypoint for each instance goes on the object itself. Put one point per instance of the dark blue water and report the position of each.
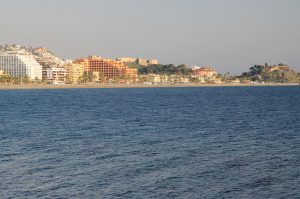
(237, 142)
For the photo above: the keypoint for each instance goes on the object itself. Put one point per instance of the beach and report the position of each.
(137, 85)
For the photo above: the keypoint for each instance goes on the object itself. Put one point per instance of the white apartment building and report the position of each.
(20, 65)
(55, 75)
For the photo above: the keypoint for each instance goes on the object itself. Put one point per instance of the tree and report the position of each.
(6, 78)
(84, 78)
(256, 69)
(169, 69)
(102, 78)
(26, 80)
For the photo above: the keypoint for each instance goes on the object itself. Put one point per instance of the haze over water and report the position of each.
(230, 35)
(235, 142)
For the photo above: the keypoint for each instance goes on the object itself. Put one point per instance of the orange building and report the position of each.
(204, 72)
(109, 69)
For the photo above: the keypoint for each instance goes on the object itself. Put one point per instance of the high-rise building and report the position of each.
(107, 68)
(20, 64)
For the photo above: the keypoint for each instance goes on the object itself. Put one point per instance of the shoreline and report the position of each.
(99, 86)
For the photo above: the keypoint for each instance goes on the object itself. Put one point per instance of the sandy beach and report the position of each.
(98, 86)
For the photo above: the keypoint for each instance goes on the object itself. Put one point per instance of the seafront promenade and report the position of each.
(87, 86)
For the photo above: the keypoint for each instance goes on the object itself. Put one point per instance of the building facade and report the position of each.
(146, 62)
(153, 62)
(141, 61)
(205, 74)
(75, 72)
(108, 69)
(18, 64)
(55, 75)
(126, 59)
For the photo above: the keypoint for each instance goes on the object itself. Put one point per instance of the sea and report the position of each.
(205, 142)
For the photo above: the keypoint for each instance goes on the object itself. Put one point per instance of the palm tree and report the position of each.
(5, 78)
(84, 78)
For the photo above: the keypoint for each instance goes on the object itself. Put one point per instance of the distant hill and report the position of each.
(280, 73)
(46, 58)
(42, 55)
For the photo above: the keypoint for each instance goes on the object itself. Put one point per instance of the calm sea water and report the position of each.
(237, 142)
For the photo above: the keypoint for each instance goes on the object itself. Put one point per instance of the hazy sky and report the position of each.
(229, 35)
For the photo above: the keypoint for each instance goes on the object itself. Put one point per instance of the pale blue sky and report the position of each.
(230, 35)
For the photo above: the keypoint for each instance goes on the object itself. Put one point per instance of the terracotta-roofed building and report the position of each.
(204, 72)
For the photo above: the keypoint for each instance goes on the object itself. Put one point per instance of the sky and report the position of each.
(228, 35)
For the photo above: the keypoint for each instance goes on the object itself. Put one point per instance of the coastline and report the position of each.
(138, 85)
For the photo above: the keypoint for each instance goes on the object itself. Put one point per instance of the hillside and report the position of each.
(280, 73)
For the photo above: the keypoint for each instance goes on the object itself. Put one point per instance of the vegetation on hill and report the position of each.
(280, 73)
(133, 65)
(169, 69)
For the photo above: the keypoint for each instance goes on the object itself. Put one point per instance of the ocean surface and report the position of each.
(226, 142)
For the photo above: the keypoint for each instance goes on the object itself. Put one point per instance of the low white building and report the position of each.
(20, 65)
(55, 75)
